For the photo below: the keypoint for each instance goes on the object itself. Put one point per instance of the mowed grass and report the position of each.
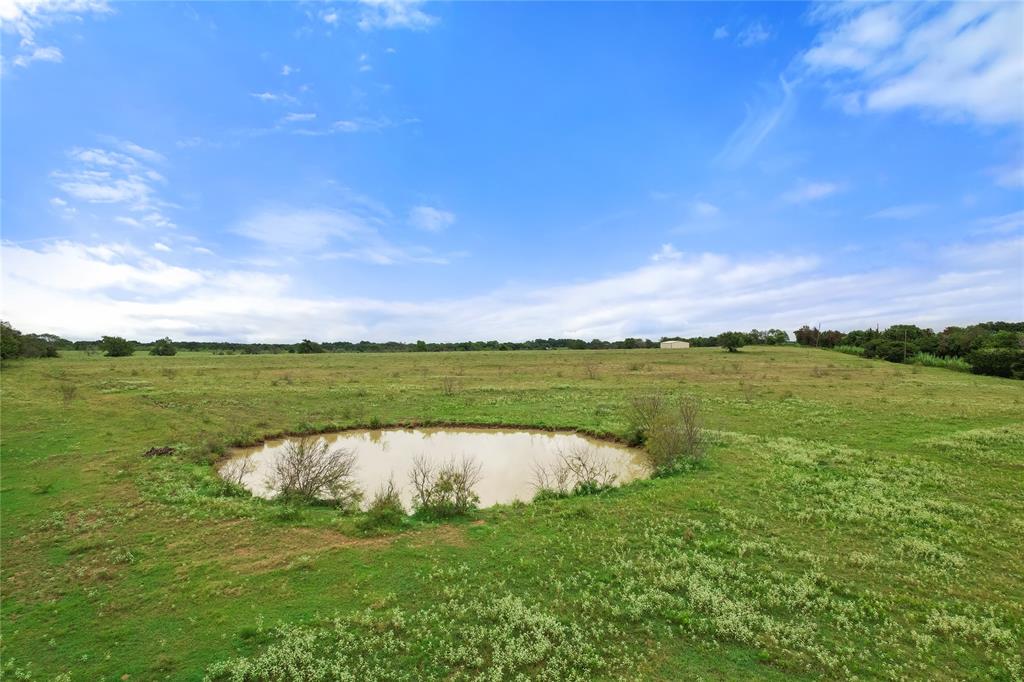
(854, 518)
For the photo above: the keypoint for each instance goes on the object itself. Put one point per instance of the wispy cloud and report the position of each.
(761, 119)
(704, 209)
(720, 33)
(753, 34)
(287, 70)
(298, 118)
(957, 61)
(120, 174)
(281, 97)
(1010, 175)
(810, 191)
(666, 252)
(430, 219)
(903, 212)
(394, 14)
(353, 232)
(1001, 224)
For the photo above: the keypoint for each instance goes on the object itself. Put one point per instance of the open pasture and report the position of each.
(853, 518)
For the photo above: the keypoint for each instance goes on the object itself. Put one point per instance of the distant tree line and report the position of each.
(994, 348)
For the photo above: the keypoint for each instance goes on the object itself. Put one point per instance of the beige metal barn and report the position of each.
(675, 344)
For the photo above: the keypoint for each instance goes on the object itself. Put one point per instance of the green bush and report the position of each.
(672, 432)
(386, 509)
(850, 350)
(998, 362)
(116, 347)
(929, 360)
(163, 347)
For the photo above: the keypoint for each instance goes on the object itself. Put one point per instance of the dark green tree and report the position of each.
(308, 346)
(732, 341)
(163, 347)
(116, 347)
(10, 341)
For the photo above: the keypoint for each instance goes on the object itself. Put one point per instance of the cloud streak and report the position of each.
(131, 293)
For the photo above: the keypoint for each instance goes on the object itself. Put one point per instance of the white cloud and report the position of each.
(274, 97)
(351, 233)
(753, 34)
(903, 212)
(83, 292)
(378, 14)
(104, 175)
(364, 125)
(430, 219)
(330, 17)
(27, 18)
(287, 70)
(73, 267)
(160, 246)
(810, 191)
(303, 229)
(961, 61)
(40, 54)
(720, 33)
(138, 151)
(704, 209)
(666, 252)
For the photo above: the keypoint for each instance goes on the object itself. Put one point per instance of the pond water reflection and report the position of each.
(508, 458)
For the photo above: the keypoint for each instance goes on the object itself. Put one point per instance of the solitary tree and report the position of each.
(731, 341)
(163, 347)
(116, 347)
(308, 346)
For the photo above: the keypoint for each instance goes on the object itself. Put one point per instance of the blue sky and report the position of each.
(453, 171)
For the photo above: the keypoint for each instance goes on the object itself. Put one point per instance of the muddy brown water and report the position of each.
(508, 458)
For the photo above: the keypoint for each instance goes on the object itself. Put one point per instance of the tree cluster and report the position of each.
(995, 348)
(14, 344)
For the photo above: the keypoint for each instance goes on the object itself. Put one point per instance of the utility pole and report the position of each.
(904, 345)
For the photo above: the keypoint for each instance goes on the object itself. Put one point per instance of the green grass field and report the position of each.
(854, 519)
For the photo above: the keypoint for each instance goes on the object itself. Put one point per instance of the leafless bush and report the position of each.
(310, 471)
(443, 490)
(578, 471)
(643, 411)
(671, 432)
(237, 469)
(68, 393)
(449, 385)
(590, 368)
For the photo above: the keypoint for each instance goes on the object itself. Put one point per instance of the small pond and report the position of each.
(508, 459)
